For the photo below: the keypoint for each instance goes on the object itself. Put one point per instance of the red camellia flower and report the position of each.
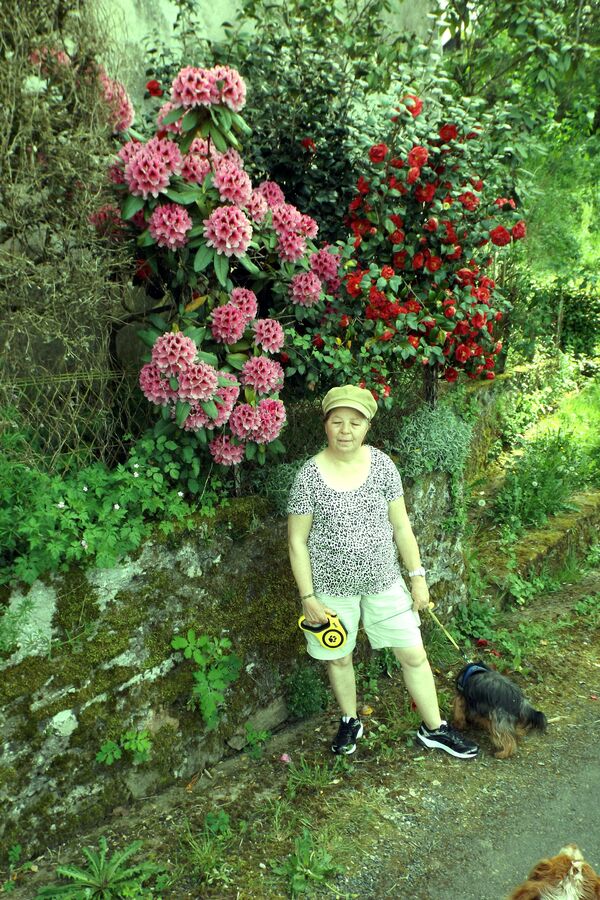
(450, 375)
(154, 89)
(500, 236)
(490, 376)
(344, 321)
(397, 163)
(284, 358)
(418, 260)
(418, 156)
(456, 253)
(362, 185)
(450, 312)
(476, 183)
(503, 201)
(414, 340)
(387, 272)
(448, 133)
(431, 225)
(415, 106)
(397, 237)
(425, 193)
(413, 174)
(378, 153)
(318, 342)
(433, 263)
(462, 353)
(399, 259)
(519, 230)
(469, 200)
(309, 144)
(387, 335)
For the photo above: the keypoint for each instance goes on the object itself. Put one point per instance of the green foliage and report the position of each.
(539, 483)
(176, 453)
(93, 515)
(256, 742)
(105, 877)
(218, 823)
(304, 776)
(588, 610)
(431, 440)
(275, 483)
(474, 620)
(138, 743)
(517, 644)
(306, 693)
(15, 868)
(207, 850)
(307, 866)
(216, 670)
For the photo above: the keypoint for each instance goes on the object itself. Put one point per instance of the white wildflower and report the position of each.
(116, 506)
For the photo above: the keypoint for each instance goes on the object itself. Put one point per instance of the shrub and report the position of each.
(276, 482)
(431, 440)
(306, 694)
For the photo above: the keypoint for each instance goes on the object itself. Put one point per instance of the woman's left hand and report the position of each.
(419, 593)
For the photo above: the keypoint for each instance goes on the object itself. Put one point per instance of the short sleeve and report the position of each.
(392, 483)
(300, 500)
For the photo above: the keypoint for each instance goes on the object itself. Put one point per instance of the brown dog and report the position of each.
(563, 877)
(493, 702)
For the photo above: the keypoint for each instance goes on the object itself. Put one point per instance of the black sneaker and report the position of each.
(349, 732)
(446, 738)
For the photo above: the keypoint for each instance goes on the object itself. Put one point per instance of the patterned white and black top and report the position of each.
(351, 540)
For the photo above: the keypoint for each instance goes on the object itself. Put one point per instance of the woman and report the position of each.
(347, 524)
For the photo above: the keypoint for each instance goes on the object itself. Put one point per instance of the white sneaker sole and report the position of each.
(353, 747)
(434, 745)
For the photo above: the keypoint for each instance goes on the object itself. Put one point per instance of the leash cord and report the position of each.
(437, 622)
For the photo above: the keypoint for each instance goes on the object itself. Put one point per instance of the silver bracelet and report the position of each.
(418, 571)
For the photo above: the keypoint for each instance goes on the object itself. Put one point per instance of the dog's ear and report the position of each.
(528, 891)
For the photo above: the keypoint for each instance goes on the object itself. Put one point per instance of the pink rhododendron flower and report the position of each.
(195, 168)
(192, 87)
(121, 112)
(107, 219)
(169, 225)
(272, 419)
(199, 145)
(173, 127)
(245, 299)
(286, 218)
(233, 184)
(225, 399)
(325, 265)
(228, 230)
(224, 452)
(257, 207)
(269, 335)
(271, 192)
(173, 352)
(291, 246)
(154, 386)
(263, 374)
(308, 227)
(228, 323)
(244, 421)
(149, 170)
(305, 289)
(198, 382)
(228, 88)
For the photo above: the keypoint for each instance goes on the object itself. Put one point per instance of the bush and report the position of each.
(431, 440)
(275, 483)
(306, 694)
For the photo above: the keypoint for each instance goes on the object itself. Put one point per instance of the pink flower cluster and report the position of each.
(121, 112)
(305, 289)
(257, 207)
(292, 229)
(269, 335)
(149, 170)
(232, 183)
(47, 58)
(195, 168)
(262, 374)
(226, 453)
(155, 386)
(228, 230)
(325, 265)
(228, 323)
(220, 85)
(272, 193)
(224, 398)
(173, 352)
(169, 225)
(245, 299)
(261, 424)
(198, 382)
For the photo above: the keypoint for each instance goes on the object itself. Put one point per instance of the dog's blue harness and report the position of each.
(470, 670)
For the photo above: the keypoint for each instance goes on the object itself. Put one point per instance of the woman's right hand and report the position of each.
(314, 611)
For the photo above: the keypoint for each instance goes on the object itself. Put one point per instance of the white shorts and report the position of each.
(388, 619)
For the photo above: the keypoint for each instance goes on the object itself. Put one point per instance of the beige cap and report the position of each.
(351, 396)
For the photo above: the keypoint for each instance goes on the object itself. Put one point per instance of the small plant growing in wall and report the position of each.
(138, 743)
(217, 669)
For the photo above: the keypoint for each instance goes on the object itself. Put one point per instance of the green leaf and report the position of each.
(240, 123)
(250, 451)
(247, 263)
(190, 120)
(195, 333)
(158, 322)
(148, 336)
(184, 197)
(203, 258)
(210, 408)
(131, 205)
(221, 264)
(173, 116)
(236, 360)
(217, 138)
(145, 239)
(182, 411)
(210, 358)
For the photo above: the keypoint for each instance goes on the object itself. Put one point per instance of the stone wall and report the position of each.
(92, 658)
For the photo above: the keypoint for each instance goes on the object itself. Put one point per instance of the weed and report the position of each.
(217, 669)
(207, 852)
(588, 610)
(593, 555)
(381, 662)
(256, 742)
(283, 815)
(307, 865)
(315, 777)
(517, 644)
(306, 693)
(15, 868)
(474, 620)
(105, 877)
(138, 743)
(218, 823)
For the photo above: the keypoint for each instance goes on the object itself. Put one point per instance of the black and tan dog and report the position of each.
(491, 701)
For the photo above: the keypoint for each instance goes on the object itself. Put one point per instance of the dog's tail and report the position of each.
(533, 718)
